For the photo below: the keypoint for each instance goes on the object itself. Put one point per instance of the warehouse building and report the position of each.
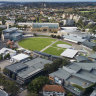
(23, 72)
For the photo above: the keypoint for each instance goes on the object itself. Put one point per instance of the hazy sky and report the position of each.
(51, 0)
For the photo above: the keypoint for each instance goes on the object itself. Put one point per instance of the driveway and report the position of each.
(4, 63)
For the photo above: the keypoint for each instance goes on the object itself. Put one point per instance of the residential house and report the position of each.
(53, 90)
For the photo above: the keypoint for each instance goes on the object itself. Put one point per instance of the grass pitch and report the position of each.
(54, 50)
(40, 43)
(36, 43)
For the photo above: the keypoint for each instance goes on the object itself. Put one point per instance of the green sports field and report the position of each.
(54, 50)
(40, 43)
(36, 43)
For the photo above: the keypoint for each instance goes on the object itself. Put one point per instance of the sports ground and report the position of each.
(46, 45)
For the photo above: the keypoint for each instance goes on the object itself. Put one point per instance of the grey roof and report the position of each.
(83, 74)
(92, 56)
(77, 38)
(16, 34)
(3, 93)
(16, 67)
(78, 81)
(89, 44)
(38, 62)
(86, 76)
(50, 25)
(61, 73)
(10, 30)
(74, 67)
(81, 58)
(34, 66)
(87, 66)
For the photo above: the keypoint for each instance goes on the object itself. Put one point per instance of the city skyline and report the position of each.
(49, 0)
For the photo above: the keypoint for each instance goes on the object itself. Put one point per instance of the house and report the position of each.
(13, 34)
(3, 93)
(5, 51)
(23, 72)
(69, 53)
(53, 90)
(19, 58)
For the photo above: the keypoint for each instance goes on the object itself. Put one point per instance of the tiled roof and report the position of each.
(53, 88)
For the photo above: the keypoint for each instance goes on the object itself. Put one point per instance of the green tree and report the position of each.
(32, 94)
(49, 68)
(94, 48)
(1, 57)
(36, 85)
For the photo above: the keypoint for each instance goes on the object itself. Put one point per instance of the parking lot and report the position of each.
(4, 63)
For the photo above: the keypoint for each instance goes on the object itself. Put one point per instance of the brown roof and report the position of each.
(55, 88)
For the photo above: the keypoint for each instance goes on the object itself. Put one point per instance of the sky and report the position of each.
(51, 0)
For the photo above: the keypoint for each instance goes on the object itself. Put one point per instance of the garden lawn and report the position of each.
(36, 43)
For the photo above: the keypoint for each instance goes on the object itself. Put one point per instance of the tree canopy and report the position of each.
(36, 85)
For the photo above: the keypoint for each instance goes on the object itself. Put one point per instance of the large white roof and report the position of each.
(70, 53)
(3, 50)
(20, 57)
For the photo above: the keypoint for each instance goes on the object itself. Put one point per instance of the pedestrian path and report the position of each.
(48, 46)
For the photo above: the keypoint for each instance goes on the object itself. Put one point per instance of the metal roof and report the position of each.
(61, 73)
(34, 66)
(16, 67)
(89, 44)
(50, 25)
(10, 30)
(81, 58)
(70, 53)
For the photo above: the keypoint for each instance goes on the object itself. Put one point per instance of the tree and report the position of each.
(49, 68)
(94, 48)
(69, 94)
(36, 85)
(1, 57)
(7, 56)
(32, 94)
(59, 37)
(9, 86)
